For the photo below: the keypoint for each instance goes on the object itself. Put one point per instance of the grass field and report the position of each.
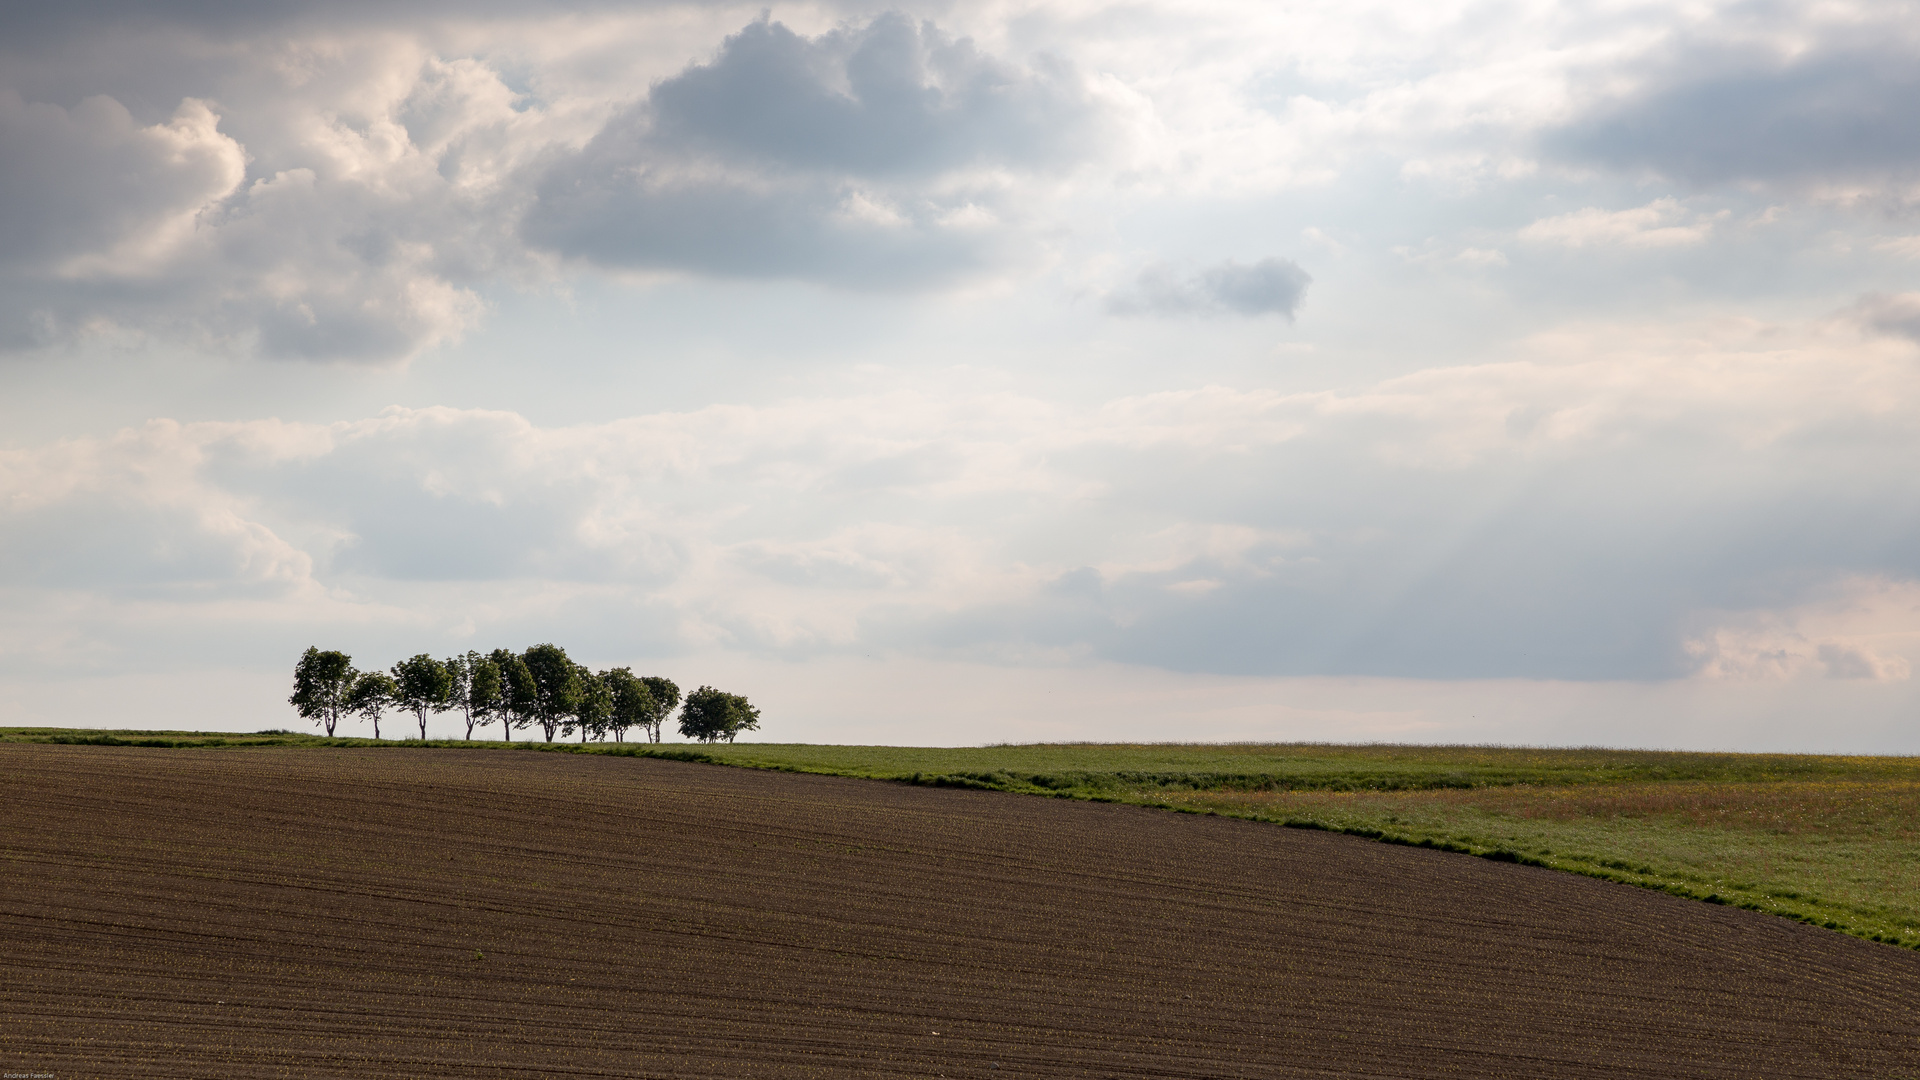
(1828, 840)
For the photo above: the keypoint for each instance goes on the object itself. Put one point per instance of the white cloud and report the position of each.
(1907, 247)
(1864, 629)
(1215, 529)
(1662, 223)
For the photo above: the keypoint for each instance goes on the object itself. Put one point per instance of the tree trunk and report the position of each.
(376, 729)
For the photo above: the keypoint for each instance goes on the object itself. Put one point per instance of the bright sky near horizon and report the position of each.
(950, 373)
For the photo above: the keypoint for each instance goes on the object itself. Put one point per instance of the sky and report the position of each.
(1518, 372)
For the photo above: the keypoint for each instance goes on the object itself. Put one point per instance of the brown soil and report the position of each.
(318, 913)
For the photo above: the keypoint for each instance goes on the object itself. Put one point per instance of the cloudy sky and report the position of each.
(951, 373)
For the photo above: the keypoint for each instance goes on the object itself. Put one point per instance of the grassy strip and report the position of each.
(1827, 840)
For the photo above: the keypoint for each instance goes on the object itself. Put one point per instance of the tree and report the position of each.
(476, 689)
(665, 696)
(422, 685)
(518, 692)
(322, 682)
(592, 706)
(459, 695)
(632, 702)
(372, 692)
(711, 715)
(556, 680)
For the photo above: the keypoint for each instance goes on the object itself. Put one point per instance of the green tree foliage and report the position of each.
(712, 715)
(373, 692)
(665, 696)
(540, 686)
(458, 694)
(592, 706)
(519, 694)
(632, 702)
(557, 687)
(477, 689)
(322, 683)
(422, 685)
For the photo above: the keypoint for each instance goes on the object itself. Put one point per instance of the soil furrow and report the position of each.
(432, 913)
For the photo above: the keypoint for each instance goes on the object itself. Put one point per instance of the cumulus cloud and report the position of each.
(890, 98)
(351, 202)
(875, 156)
(1270, 286)
(355, 249)
(353, 192)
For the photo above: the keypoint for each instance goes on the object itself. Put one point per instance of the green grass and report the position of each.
(1828, 840)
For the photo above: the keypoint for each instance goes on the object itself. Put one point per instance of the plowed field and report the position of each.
(317, 913)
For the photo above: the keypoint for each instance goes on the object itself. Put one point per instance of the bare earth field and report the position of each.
(314, 913)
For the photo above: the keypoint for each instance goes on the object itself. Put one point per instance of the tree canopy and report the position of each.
(422, 685)
(557, 688)
(632, 701)
(592, 705)
(476, 689)
(541, 685)
(322, 683)
(712, 715)
(519, 694)
(665, 696)
(372, 693)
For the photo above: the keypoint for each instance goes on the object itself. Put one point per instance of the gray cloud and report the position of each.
(889, 98)
(1268, 287)
(94, 202)
(1897, 314)
(88, 181)
(1708, 113)
(809, 229)
(42, 25)
(850, 158)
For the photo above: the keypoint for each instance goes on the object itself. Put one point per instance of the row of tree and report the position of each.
(541, 687)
